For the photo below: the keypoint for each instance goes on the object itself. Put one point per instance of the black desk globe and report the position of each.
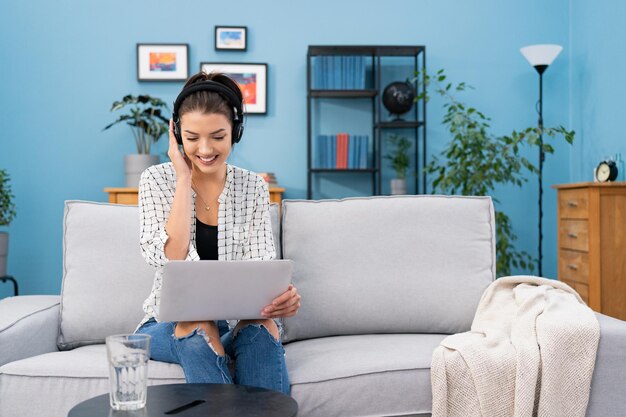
(398, 98)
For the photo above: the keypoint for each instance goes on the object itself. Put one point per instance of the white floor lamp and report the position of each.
(540, 57)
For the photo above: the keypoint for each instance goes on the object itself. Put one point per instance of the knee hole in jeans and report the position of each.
(201, 331)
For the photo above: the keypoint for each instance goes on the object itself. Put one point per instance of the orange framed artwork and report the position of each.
(251, 78)
(162, 62)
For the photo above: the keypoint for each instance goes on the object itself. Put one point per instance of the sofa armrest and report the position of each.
(607, 384)
(29, 326)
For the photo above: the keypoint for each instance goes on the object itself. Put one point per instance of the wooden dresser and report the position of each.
(130, 195)
(592, 243)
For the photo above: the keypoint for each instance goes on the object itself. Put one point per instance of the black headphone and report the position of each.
(220, 89)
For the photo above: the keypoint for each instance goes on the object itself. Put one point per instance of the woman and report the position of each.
(199, 207)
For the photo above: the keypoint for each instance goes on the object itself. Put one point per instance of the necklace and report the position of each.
(206, 206)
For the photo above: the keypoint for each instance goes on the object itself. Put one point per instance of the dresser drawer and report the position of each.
(574, 266)
(574, 234)
(574, 204)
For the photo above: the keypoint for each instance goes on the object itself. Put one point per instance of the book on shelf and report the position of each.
(332, 72)
(341, 151)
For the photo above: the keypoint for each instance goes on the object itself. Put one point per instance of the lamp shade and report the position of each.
(541, 55)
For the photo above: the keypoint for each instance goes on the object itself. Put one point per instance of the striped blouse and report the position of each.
(244, 228)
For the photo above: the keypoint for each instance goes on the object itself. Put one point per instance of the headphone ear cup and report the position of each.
(177, 135)
(238, 132)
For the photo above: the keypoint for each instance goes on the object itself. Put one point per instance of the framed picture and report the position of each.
(231, 38)
(251, 78)
(162, 61)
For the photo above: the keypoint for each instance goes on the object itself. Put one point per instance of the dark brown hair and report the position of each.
(207, 101)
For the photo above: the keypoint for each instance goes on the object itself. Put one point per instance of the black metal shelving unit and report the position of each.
(376, 53)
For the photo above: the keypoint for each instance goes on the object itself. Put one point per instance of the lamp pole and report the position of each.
(540, 57)
(542, 157)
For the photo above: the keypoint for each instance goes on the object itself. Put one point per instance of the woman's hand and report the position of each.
(285, 305)
(182, 164)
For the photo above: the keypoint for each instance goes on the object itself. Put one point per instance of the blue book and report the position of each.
(331, 151)
(361, 72)
(341, 72)
(336, 72)
(364, 150)
(357, 151)
(314, 67)
(350, 152)
(349, 72)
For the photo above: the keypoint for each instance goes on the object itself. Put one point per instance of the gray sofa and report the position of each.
(383, 281)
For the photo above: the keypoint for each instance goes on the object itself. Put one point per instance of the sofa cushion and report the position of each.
(377, 375)
(28, 326)
(401, 264)
(105, 278)
(53, 383)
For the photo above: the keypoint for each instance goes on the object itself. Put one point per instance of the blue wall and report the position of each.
(65, 62)
(597, 84)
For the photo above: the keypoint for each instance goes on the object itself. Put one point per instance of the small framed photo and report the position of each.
(231, 38)
(162, 61)
(251, 78)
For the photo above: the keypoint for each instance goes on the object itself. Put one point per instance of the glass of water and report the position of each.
(128, 370)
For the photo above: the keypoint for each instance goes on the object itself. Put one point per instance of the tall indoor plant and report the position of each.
(7, 213)
(475, 161)
(143, 115)
(400, 160)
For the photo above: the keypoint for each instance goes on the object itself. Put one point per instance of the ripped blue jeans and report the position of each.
(258, 357)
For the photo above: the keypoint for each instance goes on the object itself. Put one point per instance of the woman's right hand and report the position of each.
(182, 164)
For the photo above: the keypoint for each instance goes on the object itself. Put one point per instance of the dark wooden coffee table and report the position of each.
(189, 400)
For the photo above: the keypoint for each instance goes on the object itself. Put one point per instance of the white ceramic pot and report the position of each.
(398, 186)
(135, 164)
(4, 252)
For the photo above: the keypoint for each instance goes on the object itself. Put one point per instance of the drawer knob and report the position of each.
(573, 267)
(572, 204)
(572, 235)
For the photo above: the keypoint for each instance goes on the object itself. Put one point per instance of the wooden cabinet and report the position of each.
(130, 195)
(592, 243)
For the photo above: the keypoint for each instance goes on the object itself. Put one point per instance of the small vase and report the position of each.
(135, 164)
(4, 252)
(398, 186)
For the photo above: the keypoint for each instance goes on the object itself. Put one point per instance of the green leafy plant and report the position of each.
(144, 118)
(399, 154)
(7, 208)
(477, 160)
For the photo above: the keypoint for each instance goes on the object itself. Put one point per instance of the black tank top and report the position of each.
(206, 241)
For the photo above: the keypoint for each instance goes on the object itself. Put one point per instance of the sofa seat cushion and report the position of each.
(59, 380)
(373, 375)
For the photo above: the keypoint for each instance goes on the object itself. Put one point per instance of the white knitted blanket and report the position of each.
(530, 352)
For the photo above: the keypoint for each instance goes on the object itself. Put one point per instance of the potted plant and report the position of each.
(475, 161)
(399, 157)
(7, 213)
(144, 117)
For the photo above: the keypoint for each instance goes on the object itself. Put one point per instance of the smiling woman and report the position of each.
(229, 220)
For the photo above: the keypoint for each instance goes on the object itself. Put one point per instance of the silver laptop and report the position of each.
(221, 290)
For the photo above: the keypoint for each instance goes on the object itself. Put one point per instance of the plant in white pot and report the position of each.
(148, 125)
(400, 160)
(7, 213)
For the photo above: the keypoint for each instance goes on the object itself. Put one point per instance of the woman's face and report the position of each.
(206, 140)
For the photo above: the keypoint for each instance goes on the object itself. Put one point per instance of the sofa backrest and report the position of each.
(401, 264)
(105, 278)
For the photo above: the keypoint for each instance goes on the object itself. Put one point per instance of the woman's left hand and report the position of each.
(285, 305)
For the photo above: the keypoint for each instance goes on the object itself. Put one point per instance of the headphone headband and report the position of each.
(224, 92)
